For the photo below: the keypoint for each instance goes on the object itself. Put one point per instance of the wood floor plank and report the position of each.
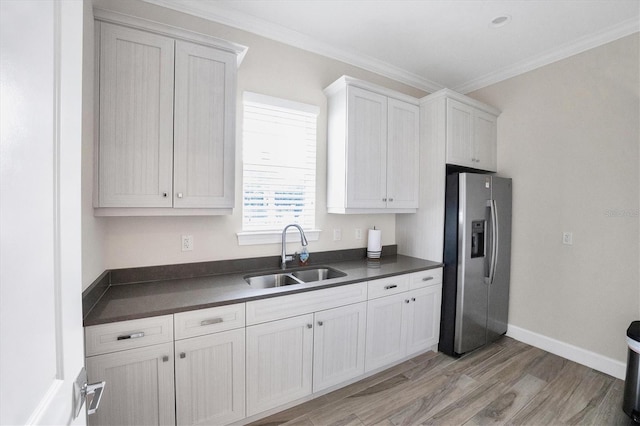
(503, 408)
(567, 399)
(292, 413)
(506, 382)
(369, 381)
(609, 411)
(548, 367)
(463, 409)
(437, 395)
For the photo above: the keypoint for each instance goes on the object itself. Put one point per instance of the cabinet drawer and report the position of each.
(118, 336)
(303, 303)
(426, 278)
(206, 321)
(387, 286)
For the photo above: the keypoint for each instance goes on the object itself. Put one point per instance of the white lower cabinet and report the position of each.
(220, 365)
(403, 323)
(279, 362)
(140, 386)
(423, 327)
(210, 380)
(338, 345)
(386, 330)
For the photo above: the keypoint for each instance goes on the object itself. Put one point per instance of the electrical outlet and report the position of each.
(187, 242)
(337, 234)
(567, 238)
(358, 234)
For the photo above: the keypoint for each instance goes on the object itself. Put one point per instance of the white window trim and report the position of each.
(247, 238)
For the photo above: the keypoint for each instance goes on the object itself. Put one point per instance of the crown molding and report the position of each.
(583, 44)
(208, 10)
(239, 20)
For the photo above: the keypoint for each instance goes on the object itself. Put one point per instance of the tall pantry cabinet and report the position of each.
(456, 130)
(165, 117)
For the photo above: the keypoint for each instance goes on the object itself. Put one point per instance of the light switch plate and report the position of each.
(567, 238)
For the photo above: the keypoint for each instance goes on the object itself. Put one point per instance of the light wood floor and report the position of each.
(507, 382)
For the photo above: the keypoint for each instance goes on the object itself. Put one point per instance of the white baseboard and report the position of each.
(590, 359)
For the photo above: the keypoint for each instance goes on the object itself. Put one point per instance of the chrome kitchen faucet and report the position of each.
(285, 257)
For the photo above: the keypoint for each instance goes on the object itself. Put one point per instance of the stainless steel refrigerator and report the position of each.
(477, 253)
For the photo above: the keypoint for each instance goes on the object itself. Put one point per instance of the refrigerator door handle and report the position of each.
(495, 237)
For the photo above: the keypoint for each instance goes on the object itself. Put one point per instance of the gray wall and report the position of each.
(569, 136)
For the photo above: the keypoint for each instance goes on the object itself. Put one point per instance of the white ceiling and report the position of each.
(430, 44)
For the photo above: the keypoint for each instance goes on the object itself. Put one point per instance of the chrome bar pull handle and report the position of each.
(389, 287)
(136, 335)
(211, 321)
(427, 278)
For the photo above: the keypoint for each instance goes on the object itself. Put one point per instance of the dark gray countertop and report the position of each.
(120, 302)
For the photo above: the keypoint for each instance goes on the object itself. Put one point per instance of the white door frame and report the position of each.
(41, 338)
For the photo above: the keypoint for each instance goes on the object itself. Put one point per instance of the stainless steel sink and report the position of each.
(299, 276)
(317, 274)
(272, 280)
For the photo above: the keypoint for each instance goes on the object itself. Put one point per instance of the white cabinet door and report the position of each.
(136, 118)
(279, 362)
(367, 149)
(204, 148)
(423, 318)
(386, 330)
(338, 347)
(139, 389)
(471, 136)
(460, 149)
(402, 154)
(485, 138)
(210, 378)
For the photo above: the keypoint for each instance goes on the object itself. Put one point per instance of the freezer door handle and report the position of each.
(495, 236)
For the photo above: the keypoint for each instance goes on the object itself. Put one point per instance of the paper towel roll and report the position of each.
(374, 244)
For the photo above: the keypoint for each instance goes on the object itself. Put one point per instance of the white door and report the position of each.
(136, 118)
(204, 148)
(210, 378)
(485, 140)
(367, 149)
(424, 318)
(403, 155)
(460, 149)
(279, 362)
(41, 343)
(338, 345)
(386, 330)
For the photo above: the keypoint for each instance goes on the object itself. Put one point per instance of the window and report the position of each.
(279, 163)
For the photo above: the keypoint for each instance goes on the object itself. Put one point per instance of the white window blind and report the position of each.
(279, 163)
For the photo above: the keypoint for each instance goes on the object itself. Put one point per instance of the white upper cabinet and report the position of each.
(204, 132)
(367, 149)
(136, 118)
(471, 135)
(166, 123)
(372, 149)
(402, 154)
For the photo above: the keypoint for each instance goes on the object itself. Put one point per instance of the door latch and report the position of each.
(82, 391)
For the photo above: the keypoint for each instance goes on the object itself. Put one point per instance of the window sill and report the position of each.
(248, 238)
